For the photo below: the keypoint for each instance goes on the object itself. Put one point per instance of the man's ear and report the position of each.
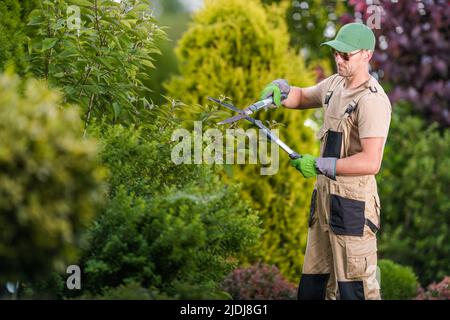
(367, 55)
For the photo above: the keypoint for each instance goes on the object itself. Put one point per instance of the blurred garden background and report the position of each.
(92, 90)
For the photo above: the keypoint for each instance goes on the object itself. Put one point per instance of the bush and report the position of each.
(259, 282)
(134, 291)
(173, 228)
(397, 282)
(46, 287)
(439, 291)
(51, 181)
(129, 291)
(413, 186)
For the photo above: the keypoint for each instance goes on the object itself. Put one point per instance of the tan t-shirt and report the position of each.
(372, 115)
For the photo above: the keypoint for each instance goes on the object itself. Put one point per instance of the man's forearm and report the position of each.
(358, 164)
(299, 98)
(294, 99)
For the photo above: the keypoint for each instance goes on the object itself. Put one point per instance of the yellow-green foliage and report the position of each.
(50, 180)
(236, 47)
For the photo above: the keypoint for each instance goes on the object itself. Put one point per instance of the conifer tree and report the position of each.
(235, 48)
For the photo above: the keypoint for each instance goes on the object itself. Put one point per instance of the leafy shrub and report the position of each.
(397, 282)
(174, 228)
(100, 65)
(435, 291)
(128, 291)
(45, 287)
(259, 282)
(51, 181)
(134, 291)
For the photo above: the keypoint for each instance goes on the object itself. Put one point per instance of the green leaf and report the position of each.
(126, 23)
(132, 21)
(35, 18)
(30, 46)
(114, 39)
(116, 109)
(154, 50)
(84, 3)
(147, 63)
(140, 7)
(48, 43)
(59, 75)
(111, 3)
(67, 54)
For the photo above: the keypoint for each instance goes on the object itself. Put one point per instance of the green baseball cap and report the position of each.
(351, 37)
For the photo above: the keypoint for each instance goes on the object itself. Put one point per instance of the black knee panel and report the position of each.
(313, 286)
(351, 290)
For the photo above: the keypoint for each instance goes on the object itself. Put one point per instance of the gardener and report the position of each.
(341, 252)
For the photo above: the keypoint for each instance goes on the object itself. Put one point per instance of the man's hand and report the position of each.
(276, 89)
(309, 166)
(306, 165)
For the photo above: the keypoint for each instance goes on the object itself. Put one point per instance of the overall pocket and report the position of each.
(361, 260)
(347, 216)
(333, 145)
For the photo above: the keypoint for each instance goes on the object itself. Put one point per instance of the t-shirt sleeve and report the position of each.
(374, 117)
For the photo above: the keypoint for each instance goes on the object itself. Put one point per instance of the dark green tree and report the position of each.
(174, 229)
(235, 48)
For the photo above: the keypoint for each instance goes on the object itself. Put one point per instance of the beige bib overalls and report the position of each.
(341, 253)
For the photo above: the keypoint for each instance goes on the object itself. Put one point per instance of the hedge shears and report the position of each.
(244, 114)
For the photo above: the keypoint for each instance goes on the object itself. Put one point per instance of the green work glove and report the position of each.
(278, 89)
(309, 166)
(306, 165)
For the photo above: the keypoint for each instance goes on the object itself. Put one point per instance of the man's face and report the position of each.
(350, 64)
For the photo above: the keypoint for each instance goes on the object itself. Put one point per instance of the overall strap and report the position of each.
(354, 103)
(352, 106)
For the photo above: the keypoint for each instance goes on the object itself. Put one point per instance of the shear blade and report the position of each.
(227, 105)
(232, 119)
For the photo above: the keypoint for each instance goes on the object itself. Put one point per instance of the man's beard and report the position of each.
(344, 72)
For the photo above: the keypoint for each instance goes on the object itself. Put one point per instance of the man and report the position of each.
(341, 252)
